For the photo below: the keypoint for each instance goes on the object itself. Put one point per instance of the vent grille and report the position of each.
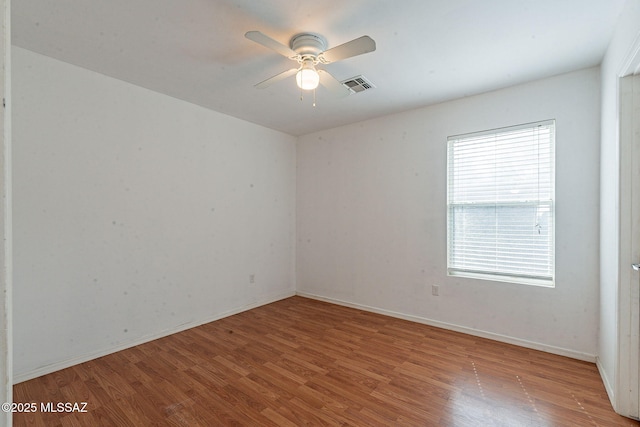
(358, 84)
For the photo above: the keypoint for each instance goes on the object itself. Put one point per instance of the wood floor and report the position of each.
(303, 362)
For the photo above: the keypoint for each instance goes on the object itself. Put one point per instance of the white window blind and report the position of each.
(500, 199)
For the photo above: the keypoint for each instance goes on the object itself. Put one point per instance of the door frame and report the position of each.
(6, 358)
(627, 396)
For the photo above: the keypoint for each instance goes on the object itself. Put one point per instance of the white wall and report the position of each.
(627, 31)
(371, 217)
(137, 214)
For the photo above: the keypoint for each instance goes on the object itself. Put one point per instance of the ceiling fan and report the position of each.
(310, 50)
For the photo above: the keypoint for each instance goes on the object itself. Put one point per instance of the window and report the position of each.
(500, 202)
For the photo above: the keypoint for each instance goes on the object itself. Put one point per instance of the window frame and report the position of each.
(527, 279)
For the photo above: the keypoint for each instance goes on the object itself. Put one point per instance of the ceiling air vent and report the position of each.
(358, 84)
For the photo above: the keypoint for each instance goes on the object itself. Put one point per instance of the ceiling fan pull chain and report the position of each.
(314, 97)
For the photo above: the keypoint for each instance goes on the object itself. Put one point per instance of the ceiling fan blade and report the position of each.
(335, 87)
(355, 47)
(272, 44)
(271, 80)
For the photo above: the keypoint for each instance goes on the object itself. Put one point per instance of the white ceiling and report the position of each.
(428, 51)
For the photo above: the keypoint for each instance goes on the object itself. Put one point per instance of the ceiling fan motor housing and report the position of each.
(308, 44)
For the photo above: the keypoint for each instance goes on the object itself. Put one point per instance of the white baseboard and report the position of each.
(470, 331)
(47, 369)
(607, 384)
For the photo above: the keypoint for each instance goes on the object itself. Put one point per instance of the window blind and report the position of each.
(500, 197)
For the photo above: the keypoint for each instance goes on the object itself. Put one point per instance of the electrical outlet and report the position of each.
(435, 290)
(252, 278)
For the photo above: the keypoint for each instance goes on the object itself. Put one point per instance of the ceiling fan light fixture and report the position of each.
(307, 77)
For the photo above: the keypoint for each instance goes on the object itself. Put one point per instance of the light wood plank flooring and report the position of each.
(304, 362)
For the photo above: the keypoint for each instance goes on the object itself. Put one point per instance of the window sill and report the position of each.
(504, 279)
